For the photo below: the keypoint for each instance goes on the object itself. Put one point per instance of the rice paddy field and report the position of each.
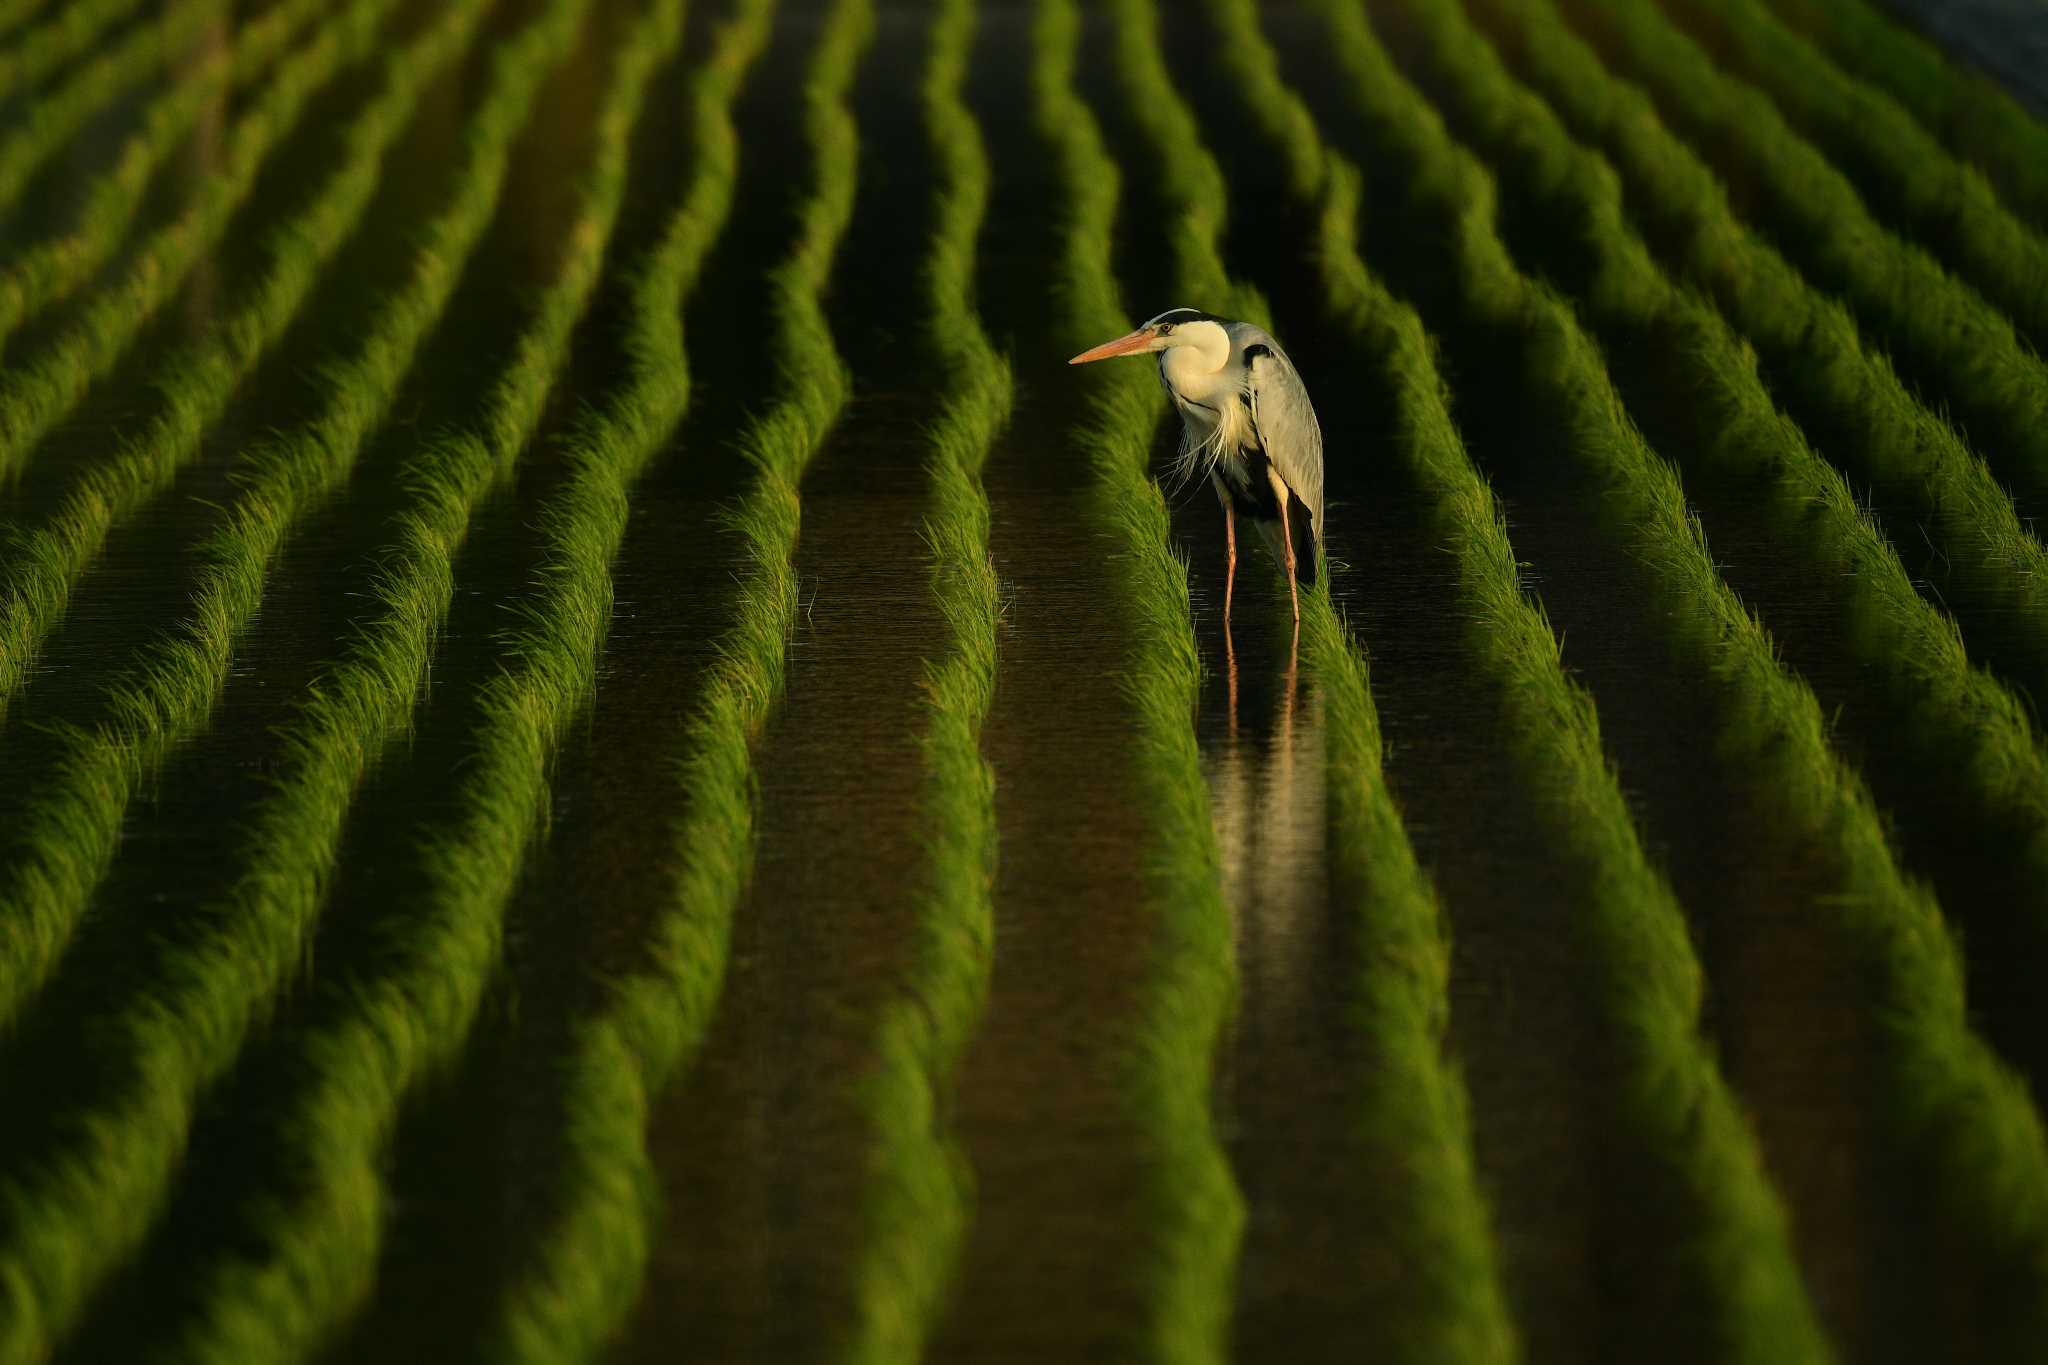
(604, 755)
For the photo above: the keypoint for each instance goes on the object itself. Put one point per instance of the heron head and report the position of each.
(1174, 327)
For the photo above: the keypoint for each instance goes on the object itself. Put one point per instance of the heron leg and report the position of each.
(1230, 573)
(1230, 672)
(1287, 539)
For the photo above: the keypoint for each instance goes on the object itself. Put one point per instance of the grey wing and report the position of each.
(1286, 422)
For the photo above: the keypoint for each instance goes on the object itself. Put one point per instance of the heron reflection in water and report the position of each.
(1263, 761)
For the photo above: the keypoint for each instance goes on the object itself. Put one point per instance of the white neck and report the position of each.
(1194, 363)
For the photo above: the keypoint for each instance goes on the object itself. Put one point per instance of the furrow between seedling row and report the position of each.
(1679, 1115)
(50, 270)
(1971, 738)
(45, 563)
(1965, 108)
(1839, 387)
(43, 390)
(575, 1292)
(1415, 1112)
(1905, 173)
(920, 1192)
(1948, 337)
(68, 830)
(1197, 1214)
(73, 29)
(61, 112)
(1961, 1120)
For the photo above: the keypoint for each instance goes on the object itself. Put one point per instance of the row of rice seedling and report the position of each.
(60, 112)
(69, 830)
(583, 1274)
(39, 392)
(1449, 1302)
(74, 1218)
(51, 269)
(1967, 110)
(1950, 338)
(1414, 1113)
(920, 1192)
(1191, 181)
(45, 563)
(1839, 386)
(1969, 736)
(1195, 1212)
(1904, 170)
(15, 13)
(1673, 1103)
(394, 1026)
(56, 40)
(1961, 1121)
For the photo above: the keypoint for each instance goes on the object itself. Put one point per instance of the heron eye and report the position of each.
(1165, 327)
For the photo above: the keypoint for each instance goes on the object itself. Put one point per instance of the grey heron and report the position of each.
(1247, 423)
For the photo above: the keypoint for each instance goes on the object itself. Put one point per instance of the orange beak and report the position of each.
(1140, 340)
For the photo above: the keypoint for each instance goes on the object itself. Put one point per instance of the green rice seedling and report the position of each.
(15, 13)
(39, 392)
(1451, 1305)
(920, 1190)
(1904, 171)
(60, 112)
(1836, 383)
(172, 689)
(1192, 182)
(575, 1292)
(72, 29)
(50, 270)
(1674, 1103)
(1944, 332)
(281, 1304)
(1960, 1120)
(1195, 1209)
(1966, 109)
(45, 564)
(1455, 1310)
(1971, 738)
(74, 1219)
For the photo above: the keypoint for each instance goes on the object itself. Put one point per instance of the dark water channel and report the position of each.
(762, 1149)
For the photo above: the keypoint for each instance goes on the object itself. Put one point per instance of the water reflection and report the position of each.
(1263, 762)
